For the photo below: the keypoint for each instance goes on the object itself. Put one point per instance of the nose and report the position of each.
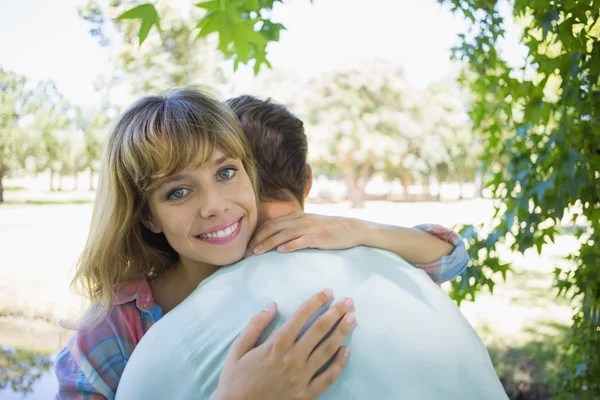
(212, 204)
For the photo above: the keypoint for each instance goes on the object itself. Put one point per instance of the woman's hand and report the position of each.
(283, 367)
(299, 230)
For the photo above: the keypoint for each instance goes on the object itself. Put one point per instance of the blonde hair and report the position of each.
(157, 136)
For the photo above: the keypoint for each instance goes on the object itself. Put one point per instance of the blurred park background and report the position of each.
(481, 115)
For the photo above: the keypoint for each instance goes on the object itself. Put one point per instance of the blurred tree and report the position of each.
(541, 123)
(169, 58)
(358, 117)
(14, 97)
(93, 125)
(20, 369)
(51, 121)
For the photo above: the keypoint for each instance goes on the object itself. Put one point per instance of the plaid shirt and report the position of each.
(91, 364)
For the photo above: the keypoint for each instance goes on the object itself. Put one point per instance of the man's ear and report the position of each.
(149, 223)
(308, 181)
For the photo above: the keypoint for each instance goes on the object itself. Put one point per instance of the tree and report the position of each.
(541, 123)
(51, 121)
(14, 97)
(93, 125)
(359, 117)
(441, 150)
(20, 369)
(170, 58)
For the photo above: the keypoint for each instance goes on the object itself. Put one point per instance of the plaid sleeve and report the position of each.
(447, 267)
(91, 365)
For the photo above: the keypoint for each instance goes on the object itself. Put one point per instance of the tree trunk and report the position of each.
(92, 179)
(76, 186)
(427, 187)
(479, 182)
(405, 183)
(60, 178)
(52, 180)
(1, 185)
(358, 196)
(461, 183)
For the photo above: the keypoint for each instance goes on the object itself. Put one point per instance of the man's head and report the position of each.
(279, 145)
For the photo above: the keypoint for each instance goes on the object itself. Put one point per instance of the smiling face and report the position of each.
(207, 214)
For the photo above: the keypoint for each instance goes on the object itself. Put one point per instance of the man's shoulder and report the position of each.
(356, 255)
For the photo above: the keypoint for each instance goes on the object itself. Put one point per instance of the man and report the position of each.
(410, 340)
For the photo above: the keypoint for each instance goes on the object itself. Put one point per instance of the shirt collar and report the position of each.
(138, 290)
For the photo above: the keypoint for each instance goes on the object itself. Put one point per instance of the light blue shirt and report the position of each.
(410, 340)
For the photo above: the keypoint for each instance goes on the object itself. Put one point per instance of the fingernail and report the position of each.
(328, 292)
(345, 352)
(350, 318)
(349, 302)
(270, 307)
(258, 249)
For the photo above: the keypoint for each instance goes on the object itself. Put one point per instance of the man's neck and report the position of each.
(273, 209)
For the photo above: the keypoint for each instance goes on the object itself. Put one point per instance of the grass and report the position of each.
(46, 202)
(15, 188)
(527, 369)
(528, 359)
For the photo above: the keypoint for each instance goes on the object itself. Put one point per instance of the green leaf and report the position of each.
(147, 13)
(542, 187)
(211, 22)
(214, 5)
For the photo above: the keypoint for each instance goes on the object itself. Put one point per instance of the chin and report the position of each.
(231, 258)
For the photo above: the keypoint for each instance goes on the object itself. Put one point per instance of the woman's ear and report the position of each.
(149, 223)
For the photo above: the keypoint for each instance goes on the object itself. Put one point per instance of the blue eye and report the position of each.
(227, 173)
(177, 194)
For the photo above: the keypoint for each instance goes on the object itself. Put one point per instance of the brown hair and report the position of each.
(279, 145)
(156, 136)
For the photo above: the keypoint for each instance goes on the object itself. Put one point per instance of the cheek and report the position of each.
(246, 199)
(173, 221)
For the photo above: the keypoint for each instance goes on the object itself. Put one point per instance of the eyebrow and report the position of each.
(220, 161)
(184, 175)
(173, 178)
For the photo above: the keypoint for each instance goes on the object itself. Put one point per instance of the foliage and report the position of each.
(52, 123)
(244, 27)
(14, 97)
(20, 369)
(94, 127)
(368, 120)
(542, 144)
(172, 57)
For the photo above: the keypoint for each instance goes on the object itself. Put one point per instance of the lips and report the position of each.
(222, 234)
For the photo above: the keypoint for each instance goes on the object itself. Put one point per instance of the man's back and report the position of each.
(410, 340)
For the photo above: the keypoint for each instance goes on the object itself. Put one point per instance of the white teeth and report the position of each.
(220, 234)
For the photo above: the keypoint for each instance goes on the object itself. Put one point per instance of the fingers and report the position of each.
(291, 329)
(319, 384)
(287, 239)
(274, 226)
(323, 325)
(269, 229)
(303, 242)
(246, 341)
(331, 345)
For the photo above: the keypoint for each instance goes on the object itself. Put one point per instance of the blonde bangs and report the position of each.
(179, 135)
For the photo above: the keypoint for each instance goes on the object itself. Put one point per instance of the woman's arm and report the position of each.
(437, 250)
(412, 244)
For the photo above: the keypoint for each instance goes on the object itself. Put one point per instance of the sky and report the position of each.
(44, 39)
